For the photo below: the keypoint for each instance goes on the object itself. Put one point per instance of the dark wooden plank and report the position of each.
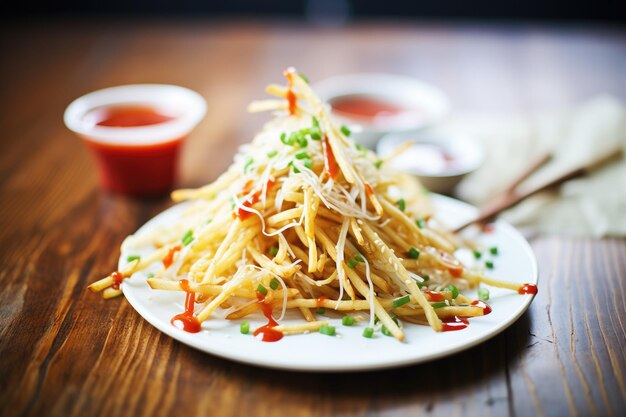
(66, 352)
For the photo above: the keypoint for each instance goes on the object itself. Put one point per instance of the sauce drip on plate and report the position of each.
(267, 332)
(187, 321)
(528, 289)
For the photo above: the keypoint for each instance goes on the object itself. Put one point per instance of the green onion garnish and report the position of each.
(351, 263)
(368, 332)
(316, 123)
(347, 320)
(483, 294)
(261, 289)
(247, 165)
(321, 311)
(283, 139)
(386, 331)
(378, 163)
(345, 130)
(414, 253)
(187, 237)
(273, 251)
(272, 154)
(359, 258)
(421, 223)
(477, 254)
(316, 135)
(439, 304)
(401, 204)
(244, 327)
(150, 275)
(454, 290)
(327, 330)
(426, 278)
(308, 163)
(398, 302)
(489, 264)
(274, 283)
(133, 258)
(302, 155)
(493, 250)
(304, 78)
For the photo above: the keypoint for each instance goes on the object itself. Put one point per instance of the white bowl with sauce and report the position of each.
(382, 103)
(439, 160)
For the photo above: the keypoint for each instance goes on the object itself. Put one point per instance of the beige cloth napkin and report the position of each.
(593, 205)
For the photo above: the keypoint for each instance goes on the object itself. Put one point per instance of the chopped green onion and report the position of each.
(302, 141)
(187, 237)
(489, 264)
(244, 327)
(150, 275)
(386, 331)
(414, 253)
(321, 311)
(273, 251)
(426, 278)
(247, 165)
(133, 258)
(398, 302)
(347, 320)
(493, 250)
(351, 263)
(272, 154)
(316, 123)
(274, 283)
(316, 135)
(304, 78)
(483, 294)
(376, 320)
(308, 163)
(368, 332)
(283, 139)
(439, 304)
(401, 204)
(454, 290)
(327, 330)
(477, 254)
(378, 163)
(359, 147)
(359, 258)
(302, 155)
(421, 223)
(345, 130)
(209, 221)
(261, 289)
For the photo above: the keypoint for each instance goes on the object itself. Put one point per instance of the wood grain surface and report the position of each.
(67, 352)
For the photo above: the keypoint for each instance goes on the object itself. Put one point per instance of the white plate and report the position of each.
(349, 350)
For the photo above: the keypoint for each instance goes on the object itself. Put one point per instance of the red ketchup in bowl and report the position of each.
(135, 133)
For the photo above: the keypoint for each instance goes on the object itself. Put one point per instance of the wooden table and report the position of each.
(67, 352)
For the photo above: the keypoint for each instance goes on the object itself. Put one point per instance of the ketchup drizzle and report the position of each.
(454, 323)
(244, 214)
(169, 258)
(291, 97)
(267, 332)
(486, 308)
(117, 279)
(330, 163)
(320, 301)
(528, 289)
(434, 296)
(187, 321)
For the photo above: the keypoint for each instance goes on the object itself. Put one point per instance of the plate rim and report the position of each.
(303, 366)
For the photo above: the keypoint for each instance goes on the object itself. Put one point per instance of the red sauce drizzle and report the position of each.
(253, 199)
(454, 323)
(320, 300)
(486, 308)
(489, 228)
(330, 163)
(117, 279)
(187, 321)
(368, 189)
(127, 116)
(434, 296)
(291, 97)
(454, 266)
(267, 332)
(528, 289)
(169, 258)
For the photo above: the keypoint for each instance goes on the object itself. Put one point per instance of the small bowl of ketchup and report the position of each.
(135, 133)
(381, 104)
